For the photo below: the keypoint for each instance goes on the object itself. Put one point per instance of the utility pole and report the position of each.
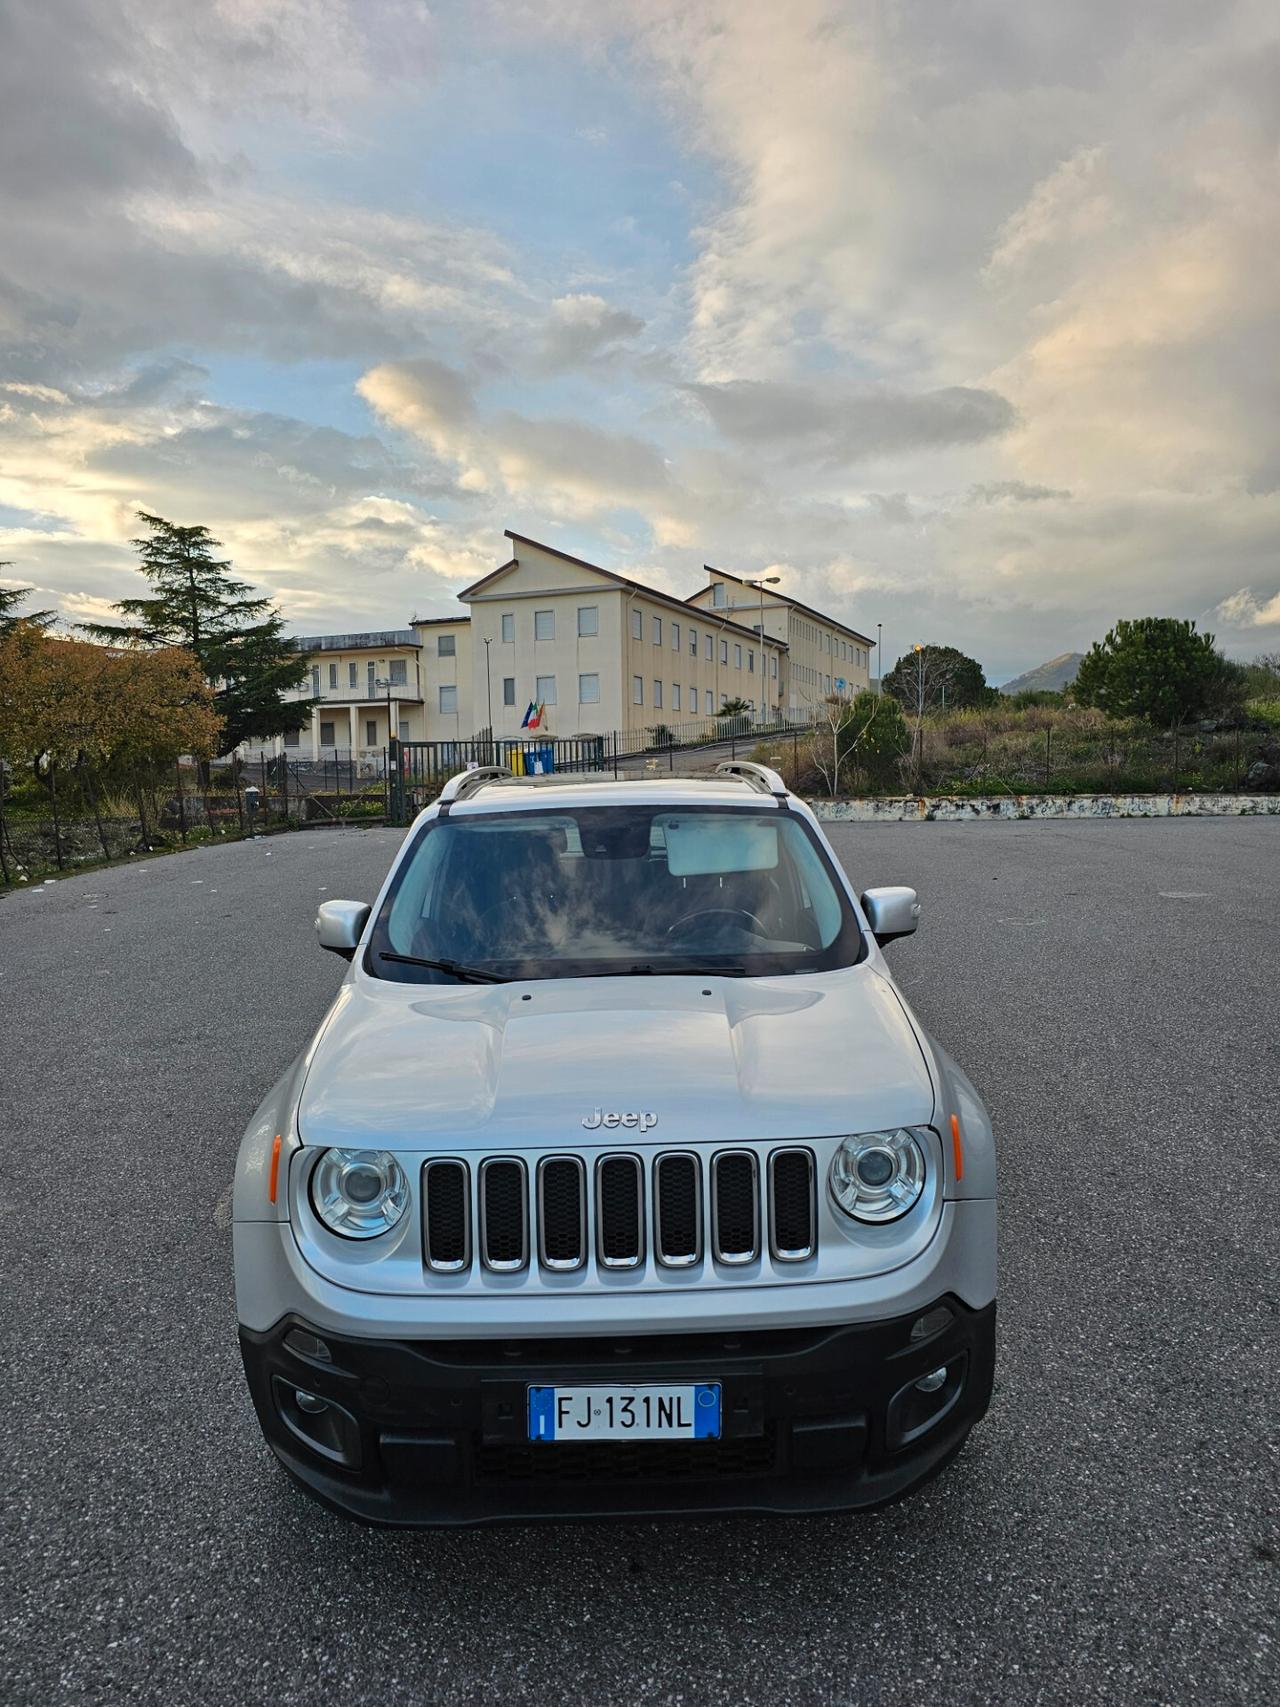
(759, 582)
(879, 662)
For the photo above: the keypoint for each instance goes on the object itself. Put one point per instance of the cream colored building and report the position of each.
(823, 657)
(603, 652)
(447, 674)
(366, 687)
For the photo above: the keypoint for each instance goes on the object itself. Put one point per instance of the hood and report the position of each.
(415, 1066)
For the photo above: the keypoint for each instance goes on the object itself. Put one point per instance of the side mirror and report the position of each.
(891, 912)
(340, 925)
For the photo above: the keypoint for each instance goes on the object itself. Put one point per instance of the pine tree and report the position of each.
(10, 616)
(197, 603)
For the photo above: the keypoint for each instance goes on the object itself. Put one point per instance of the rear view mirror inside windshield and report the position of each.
(702, 845)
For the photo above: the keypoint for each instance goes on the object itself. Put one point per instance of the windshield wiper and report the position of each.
(684, 971)
(455, 968)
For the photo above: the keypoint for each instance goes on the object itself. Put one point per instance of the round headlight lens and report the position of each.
(359, 1193)
(878, 1176)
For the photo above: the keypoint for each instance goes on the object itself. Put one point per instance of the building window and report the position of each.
(637, 625)
(717, 594)
(657, 696)
(737, 657)
(545, 690)
(675, 696)
(326, 735)
(637, 690)
(693, 699)
(446, 647)
(371, 676)
(448, 700)
(291, 738)
(775, 666)
(333, 675)
(509, 627)
(353, 674)
(707, 645)
(693, 643)
(710, 703)
(751, 662)
(315, 680)
(402, 728)
(589, 690)
(724, 651)
(399, 672)
(370, 732)
(508, 690)
(544, 625)
(657, 631)
(675, 636)
(588, 620)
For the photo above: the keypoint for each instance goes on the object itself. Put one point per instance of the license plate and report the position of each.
(625, 1413)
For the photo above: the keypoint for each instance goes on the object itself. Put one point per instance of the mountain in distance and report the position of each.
(1051, 677)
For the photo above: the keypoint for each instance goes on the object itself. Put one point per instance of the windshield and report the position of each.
(613, 890)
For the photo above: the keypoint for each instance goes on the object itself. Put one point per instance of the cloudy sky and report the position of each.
(961, 318)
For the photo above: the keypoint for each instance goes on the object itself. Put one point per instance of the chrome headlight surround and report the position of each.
(878, 1176)
(359, 1194)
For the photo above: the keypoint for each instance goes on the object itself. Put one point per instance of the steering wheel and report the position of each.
(754, 925)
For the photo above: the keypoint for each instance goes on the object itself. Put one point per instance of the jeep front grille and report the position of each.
(755, 1205)
(562, 1212)
(792, 1214)
(677, 1210)
(735, 1207)
(446, 1216)
(504, 1214)
(620, 1211)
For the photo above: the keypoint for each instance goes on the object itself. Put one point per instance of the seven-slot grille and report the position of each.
(572, 1207)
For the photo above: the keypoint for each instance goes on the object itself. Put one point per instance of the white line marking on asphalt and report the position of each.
(1184, 894)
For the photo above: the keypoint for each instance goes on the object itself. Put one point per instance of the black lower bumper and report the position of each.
(421, 1432)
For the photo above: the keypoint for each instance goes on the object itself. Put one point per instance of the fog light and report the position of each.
(929, 1383)
(313, 1404)
(303, 1344)
(932, 1322)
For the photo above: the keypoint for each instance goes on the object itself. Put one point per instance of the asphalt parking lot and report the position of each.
(1109, 1534)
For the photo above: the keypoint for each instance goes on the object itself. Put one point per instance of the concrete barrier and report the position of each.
(959, 809)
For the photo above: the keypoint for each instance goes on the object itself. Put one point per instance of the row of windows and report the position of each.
(544, 624)
(827, 642)
(677, 701)
(544, 628)
(397, 673)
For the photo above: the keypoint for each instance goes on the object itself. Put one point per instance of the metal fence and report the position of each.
(419, 769)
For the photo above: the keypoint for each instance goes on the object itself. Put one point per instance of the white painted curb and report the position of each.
(958, 809)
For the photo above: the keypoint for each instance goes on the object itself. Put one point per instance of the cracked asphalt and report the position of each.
(1109, 1534)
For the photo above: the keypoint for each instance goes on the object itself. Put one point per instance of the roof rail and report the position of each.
(759, 777)
(458, 787)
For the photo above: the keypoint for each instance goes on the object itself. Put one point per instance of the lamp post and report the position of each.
(488, 692)
(879, 661)
(381, 682)
(760, 582)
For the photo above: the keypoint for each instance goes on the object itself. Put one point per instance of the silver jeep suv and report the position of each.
(619, 1178)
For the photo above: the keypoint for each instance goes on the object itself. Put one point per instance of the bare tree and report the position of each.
(923, 678)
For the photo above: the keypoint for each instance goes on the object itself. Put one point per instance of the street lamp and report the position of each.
(488, 692)
(760, 582)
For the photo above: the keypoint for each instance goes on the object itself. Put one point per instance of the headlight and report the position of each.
(878, 1176)
(359, 1193)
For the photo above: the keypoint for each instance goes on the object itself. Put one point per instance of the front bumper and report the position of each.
(426, 1432)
